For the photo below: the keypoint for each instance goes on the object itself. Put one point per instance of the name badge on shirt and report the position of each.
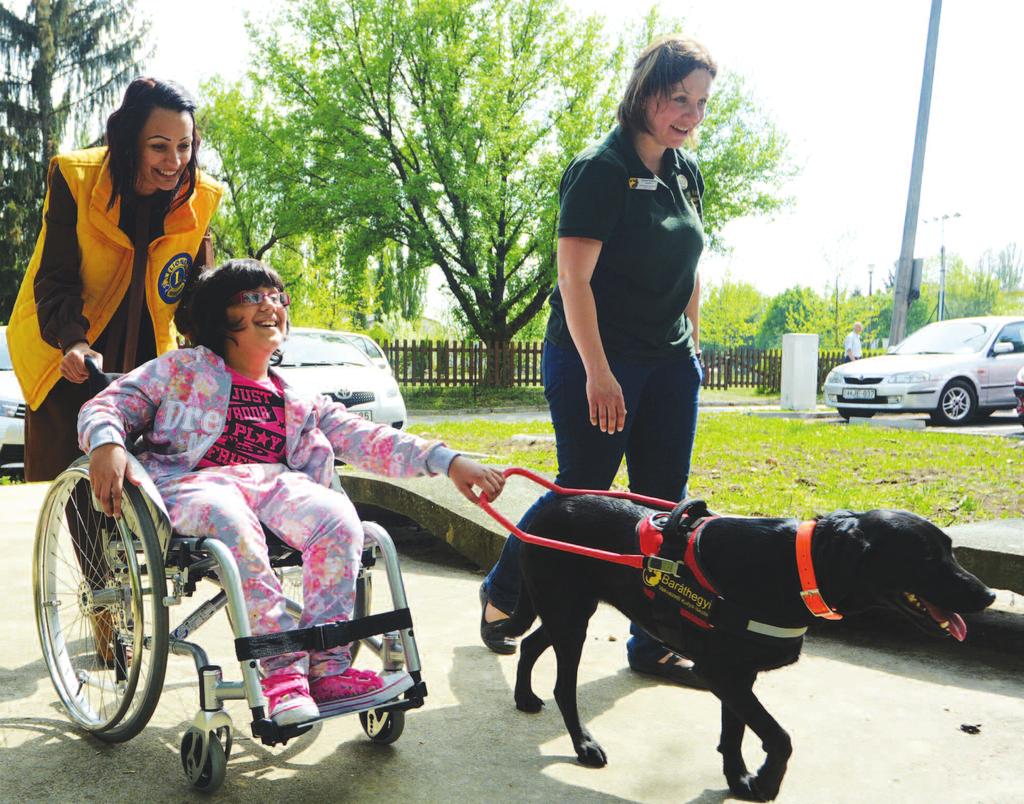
(643, 184)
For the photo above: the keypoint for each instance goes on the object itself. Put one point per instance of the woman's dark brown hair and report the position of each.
(125, 124)
(662, 65)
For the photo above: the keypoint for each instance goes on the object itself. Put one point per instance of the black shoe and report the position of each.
(670, 671)
(492, 634)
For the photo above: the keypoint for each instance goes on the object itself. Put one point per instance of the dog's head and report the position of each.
(906, 563)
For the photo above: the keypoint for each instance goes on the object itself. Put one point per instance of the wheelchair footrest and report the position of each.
(321, 637)
(386, 698)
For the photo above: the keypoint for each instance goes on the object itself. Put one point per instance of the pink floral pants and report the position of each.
(229, 503)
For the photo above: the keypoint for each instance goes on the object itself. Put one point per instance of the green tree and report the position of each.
(65, 63)
(1007, 265)
(796, 309)
(443, 127)
(970, 292)
(731, 314)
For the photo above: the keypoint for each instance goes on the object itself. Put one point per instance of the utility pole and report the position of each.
(905, 265)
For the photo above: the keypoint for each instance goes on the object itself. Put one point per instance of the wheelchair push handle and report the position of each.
(98, 380)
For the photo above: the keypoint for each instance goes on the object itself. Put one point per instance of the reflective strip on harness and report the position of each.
(321, 637)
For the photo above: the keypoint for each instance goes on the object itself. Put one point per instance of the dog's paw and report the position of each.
(530, 704)
(527, 702)
(747, 788)
(590, 753)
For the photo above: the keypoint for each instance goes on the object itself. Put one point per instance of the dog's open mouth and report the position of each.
(931, 617)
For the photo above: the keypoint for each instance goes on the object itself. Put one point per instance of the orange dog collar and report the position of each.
(809, 591)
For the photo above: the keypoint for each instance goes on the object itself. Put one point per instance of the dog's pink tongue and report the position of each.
(956, 625)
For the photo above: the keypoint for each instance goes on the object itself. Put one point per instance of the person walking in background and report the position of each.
(851, 345)
(124, 230)
(621, 361)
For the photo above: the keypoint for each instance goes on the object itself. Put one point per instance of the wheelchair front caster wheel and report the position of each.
(383, 727)
(204, 759)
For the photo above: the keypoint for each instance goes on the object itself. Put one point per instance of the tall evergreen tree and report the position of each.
(62, 63)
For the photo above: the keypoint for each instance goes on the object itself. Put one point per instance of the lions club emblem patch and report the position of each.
(173, 277)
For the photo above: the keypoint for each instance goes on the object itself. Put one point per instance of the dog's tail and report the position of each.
(522, 618)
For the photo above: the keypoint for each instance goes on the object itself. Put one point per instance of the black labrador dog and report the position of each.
(876, 558)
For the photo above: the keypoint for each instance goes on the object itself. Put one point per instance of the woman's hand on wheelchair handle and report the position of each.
(108, 468)
(466, 474)
(72, 366)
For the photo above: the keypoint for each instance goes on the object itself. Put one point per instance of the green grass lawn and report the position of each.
(748, 465)
(460, 398)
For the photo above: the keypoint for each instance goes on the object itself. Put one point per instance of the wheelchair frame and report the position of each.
(109, 677)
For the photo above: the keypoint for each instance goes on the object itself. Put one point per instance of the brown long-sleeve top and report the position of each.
(58, 284)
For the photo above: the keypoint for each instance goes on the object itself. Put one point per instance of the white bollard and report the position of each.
(799, 372)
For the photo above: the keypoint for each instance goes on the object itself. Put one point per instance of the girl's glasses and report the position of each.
(276, 297)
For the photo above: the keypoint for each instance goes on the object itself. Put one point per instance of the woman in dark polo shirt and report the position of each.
(621, 362)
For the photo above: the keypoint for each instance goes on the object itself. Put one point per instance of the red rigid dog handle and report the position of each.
(636, 561)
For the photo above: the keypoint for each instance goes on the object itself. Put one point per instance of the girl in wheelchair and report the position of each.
(231, 447)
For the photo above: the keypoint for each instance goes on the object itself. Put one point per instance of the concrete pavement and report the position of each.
(874, 716)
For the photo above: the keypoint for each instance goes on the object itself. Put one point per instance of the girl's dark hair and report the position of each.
(662, 65)
(203, 314)
(125, 124)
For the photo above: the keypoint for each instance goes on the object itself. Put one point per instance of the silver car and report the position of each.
(955, 370)
(12, 413)
(371, 349)
(319, 361)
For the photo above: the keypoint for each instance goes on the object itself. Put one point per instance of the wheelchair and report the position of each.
(103, 588)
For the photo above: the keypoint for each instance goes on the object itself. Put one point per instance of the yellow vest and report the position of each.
(105, 264)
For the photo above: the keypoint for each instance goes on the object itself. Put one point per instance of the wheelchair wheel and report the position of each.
(205, 774)
(383, 727)
(99, 587)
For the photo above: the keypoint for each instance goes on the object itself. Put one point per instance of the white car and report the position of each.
(12, 413)
(955, 370)
(320, 361)
(371, 349)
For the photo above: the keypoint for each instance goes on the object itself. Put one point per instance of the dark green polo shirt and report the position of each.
(652, 235)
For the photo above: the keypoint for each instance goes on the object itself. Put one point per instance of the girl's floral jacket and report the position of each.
(172, 409)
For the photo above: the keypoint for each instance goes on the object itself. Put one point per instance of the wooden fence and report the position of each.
(472, 363)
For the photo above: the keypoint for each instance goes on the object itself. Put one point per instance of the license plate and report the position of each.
(366, 414)
(858, 393)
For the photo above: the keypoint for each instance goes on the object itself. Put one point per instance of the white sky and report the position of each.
(842, 80)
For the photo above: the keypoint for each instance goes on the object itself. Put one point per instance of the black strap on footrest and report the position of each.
(321, 637)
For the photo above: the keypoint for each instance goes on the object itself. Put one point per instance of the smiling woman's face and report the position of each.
(165, 148)
(672, 119)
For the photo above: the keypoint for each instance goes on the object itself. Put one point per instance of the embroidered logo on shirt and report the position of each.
(643, 184)
(173, 277)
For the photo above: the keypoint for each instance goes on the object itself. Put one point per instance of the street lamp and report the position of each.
(941, 219)
(871, 271)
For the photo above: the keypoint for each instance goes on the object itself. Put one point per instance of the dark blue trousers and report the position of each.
(661, 421)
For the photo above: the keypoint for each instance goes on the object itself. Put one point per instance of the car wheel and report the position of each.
(957, 404)
(846, 413)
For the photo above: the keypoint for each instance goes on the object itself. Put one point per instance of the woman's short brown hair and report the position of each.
(662, 65)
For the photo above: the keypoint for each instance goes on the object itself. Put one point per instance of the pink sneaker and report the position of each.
(349, 684)
(288, 699)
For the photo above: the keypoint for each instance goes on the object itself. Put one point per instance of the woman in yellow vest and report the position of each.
(125, 228)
